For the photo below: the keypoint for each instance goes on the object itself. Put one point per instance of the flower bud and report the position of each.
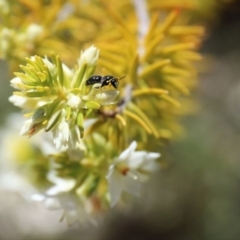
(89, 56)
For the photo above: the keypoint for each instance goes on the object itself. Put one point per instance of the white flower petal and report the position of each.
(38, 197)
(16, 82)
(127, 152)
(61, 132)
(67, 71)
(136, 159)
(71, 216)
(74, 101)
(26, 127)
(89, 56)
(115, 184)
(52, 68)
(131, 185)
(151, 166)
(61, 185)
(106, 97)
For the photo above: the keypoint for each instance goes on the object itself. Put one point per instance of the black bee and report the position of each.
(94, 79)
(104, 80)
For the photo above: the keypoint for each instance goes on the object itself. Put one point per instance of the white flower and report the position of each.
(66, 134)
(33, 31)
(6, 35)
(89, 56)
(61, 132)
(129, 170)
(59, 197)
(73, 210)
(4, 6)
(14, 152)
(74, 101)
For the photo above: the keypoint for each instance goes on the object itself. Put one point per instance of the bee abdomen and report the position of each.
(94, 79)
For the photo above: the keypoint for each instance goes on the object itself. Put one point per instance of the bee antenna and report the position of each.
(121, 77)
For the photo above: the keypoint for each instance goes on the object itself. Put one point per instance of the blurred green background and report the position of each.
(198, 195)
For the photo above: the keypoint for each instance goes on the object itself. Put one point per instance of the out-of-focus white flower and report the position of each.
(6, 35)
(61, 185)
(4, 6)
(73, 210)
(33, 31)
(15, 152)
(89, 56)
(129, 170)
(59, 197)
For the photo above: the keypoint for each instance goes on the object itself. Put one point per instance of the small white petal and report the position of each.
(115, 185)
(61, 185)
(89, 56)
(26, 127)
(131, 185)
(61, 132)
(71, 216)
(127, 152)
(136, 159)
(153, 155)
(38, 197)
(16, 82)
(52, 68)
(89, 122)
(17, 100)
(106, 97)
(151, 166)
(67, 71)
(74, 101)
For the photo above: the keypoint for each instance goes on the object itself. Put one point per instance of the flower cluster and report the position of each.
(81, 182)
(96, 116)
(87, 183)
(54, 97)
(23, 42)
